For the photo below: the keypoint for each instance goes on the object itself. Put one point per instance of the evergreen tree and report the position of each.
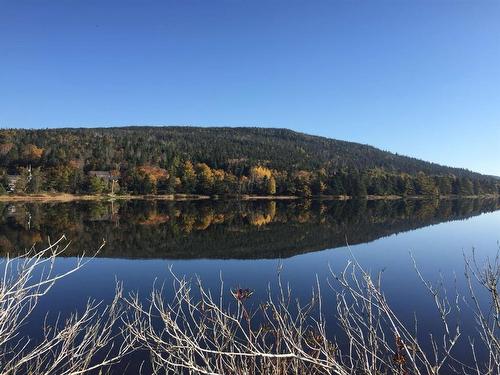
(271, 186)
(97, 185)
(188, 177)
(466, 186)
(148, 187)
(424, 185)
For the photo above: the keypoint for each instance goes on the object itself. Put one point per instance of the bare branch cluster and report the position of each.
(482, 284)
(195, 331)
(379, 342)
(199, 333)
(83, 342)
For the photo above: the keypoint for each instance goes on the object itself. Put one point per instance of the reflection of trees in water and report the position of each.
(222, 229)
(262, 215)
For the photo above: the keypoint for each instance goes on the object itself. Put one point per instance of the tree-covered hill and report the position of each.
(218, 161)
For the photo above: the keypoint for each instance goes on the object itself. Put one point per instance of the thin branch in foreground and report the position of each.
(85, 341)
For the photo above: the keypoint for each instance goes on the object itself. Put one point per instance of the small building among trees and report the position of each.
(101, 180)
(12, 182)
(105, 175)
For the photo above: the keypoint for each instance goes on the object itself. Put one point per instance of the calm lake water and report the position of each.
(246, 242)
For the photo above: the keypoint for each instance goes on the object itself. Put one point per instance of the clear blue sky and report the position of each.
(420, 78)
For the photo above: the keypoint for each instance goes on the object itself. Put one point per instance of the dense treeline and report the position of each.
(223, 229)
(217, 161)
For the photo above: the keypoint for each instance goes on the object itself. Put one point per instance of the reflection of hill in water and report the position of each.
(148, 229)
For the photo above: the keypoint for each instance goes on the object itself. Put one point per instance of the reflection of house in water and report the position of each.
(21, 216)
(100, 216)
(105, 213)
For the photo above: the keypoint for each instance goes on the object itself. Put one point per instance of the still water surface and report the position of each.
(246, 242)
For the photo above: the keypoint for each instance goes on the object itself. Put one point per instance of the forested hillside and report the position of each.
(221, 161)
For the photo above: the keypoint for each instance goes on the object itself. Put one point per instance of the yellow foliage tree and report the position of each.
(155, 174)
(188, 177)
(32, 152)
(205, 178)
(263, 179)
(258, 173)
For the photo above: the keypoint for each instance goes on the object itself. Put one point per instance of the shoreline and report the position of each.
(63, 197)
